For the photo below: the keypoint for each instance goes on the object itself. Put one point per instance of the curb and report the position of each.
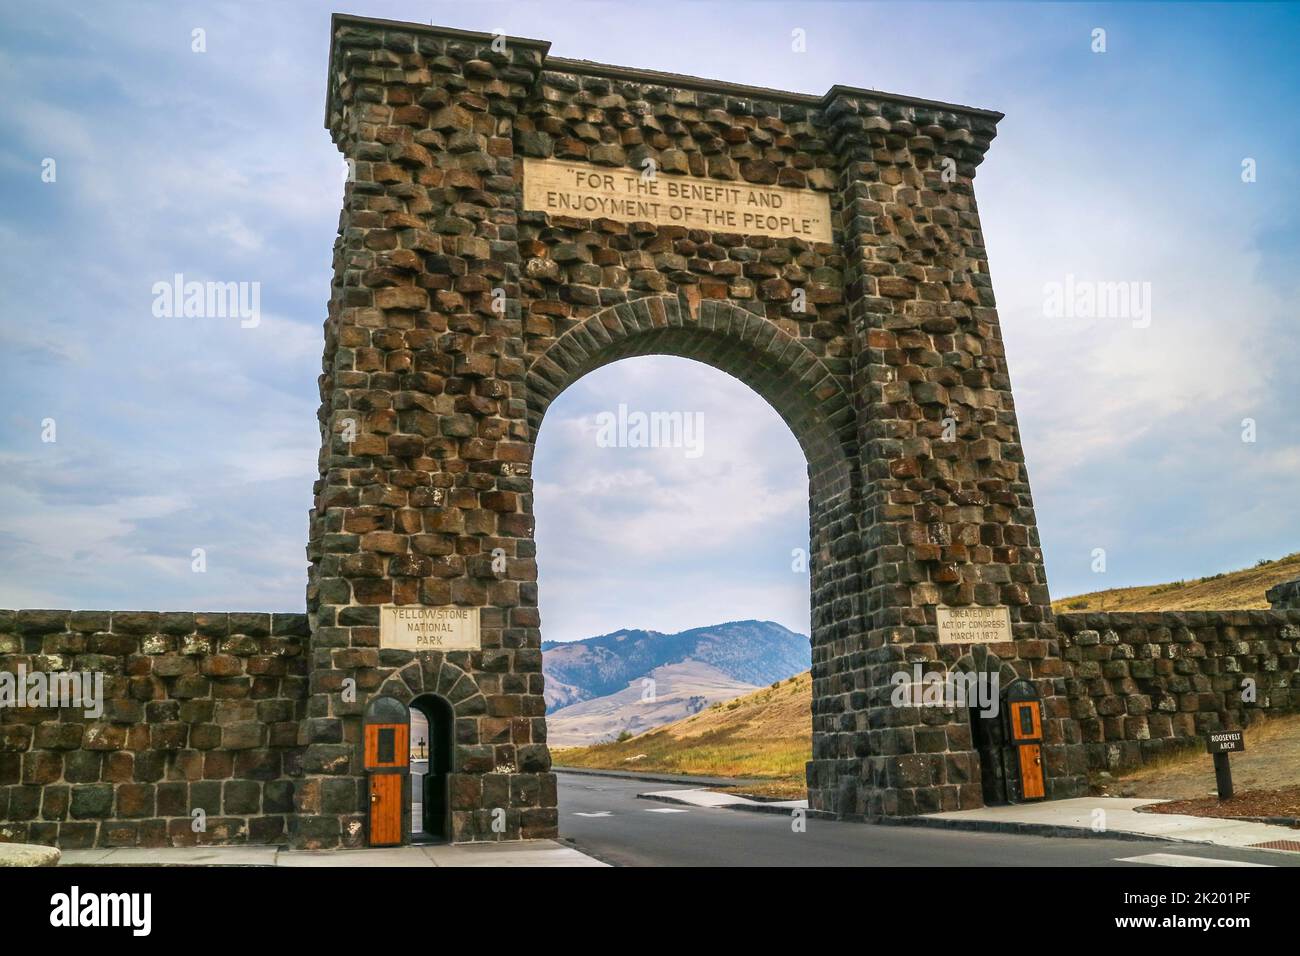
(573, 844)
(1055, 830)
(751, 807)
(668, 778)
(1293, 822)
(1030, 829)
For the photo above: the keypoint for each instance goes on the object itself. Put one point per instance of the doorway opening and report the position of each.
(987, 739)
(430, 766)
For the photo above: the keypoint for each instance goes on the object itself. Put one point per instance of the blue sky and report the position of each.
(175, 434)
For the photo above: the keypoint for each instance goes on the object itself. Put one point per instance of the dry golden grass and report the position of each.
(1271, 761)
(1234, 590)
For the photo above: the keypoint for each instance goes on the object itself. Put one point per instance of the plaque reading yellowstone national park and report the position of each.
(594, 192)
(974, 625)
(418, 628)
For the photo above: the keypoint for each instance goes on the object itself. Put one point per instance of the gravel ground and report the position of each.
(1250, 803)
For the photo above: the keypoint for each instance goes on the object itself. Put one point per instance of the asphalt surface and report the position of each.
(602, 816)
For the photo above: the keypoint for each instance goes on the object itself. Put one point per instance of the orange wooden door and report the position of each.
(385, 809)
(1031, 772)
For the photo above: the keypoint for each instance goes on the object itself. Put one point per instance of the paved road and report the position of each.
(603, 817)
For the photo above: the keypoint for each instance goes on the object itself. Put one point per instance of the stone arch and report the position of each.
(729, 337)
(434, 674)
(980, 660)
(448, 388)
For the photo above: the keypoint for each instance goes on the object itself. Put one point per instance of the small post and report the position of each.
(1223, 775)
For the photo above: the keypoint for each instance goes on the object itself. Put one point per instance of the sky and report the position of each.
(1168, 161)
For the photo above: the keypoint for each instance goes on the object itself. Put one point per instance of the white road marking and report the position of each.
(1176, 859)
(665, 810)
(599, 813)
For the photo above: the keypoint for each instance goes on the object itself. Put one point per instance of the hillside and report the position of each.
(1233, 590)
(765, 734)
(768, 734)
(751, 653)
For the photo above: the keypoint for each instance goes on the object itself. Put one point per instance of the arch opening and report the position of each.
(432, 757)
(989, 743)
(831, 522)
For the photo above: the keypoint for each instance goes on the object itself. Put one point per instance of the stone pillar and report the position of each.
(947, 516)
(425, 495)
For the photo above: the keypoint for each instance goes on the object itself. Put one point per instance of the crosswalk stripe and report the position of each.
(598, 813)
(665, 810)
(1176, 859)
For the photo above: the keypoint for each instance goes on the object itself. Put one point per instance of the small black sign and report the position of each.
(1224, 741)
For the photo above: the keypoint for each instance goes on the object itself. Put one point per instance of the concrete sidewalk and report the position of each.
(1118, 818)
(1111, 817)
(515, 853)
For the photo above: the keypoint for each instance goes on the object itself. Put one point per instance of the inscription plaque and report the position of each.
(593, 192)
(419, 628)
(974, 625)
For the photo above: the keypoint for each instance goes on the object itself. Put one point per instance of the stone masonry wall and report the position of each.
(200, 711)
(1144, 683)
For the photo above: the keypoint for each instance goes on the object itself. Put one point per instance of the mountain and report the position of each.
(750, 653)
(679, 690)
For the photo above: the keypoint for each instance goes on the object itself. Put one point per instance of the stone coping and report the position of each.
(1071, 621)
(53, 620)
(637, 75)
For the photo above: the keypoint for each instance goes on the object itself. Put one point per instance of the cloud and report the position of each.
(626, 535)
(176, 434)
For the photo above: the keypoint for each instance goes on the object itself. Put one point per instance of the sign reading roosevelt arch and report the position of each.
(465, 298)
